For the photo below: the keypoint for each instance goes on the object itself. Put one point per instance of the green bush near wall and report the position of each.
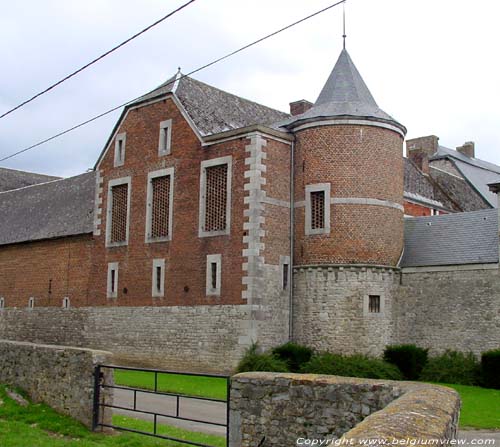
(265, 361)
(410, 359)
(490, 369)
(294, 355)
(452, 367)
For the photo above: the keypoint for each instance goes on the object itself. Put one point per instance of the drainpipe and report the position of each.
(292, 237)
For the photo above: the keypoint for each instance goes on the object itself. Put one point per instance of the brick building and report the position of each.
(211, 221)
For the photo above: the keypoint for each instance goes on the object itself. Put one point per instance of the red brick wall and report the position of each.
(185, 255)
(414, 209)
(27, 270)
(358, 162)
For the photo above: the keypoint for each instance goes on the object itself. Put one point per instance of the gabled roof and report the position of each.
(213, 110)
(14, 179)
(345, 94)
(48, 210)
(452, 239)
(477, 172)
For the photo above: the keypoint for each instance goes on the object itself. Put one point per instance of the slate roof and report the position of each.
(14, 179)
(59, 208)
(452, 239)
(213, 110)
(344, 94)
(477, 172)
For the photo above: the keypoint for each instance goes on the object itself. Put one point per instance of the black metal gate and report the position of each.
(101, 403)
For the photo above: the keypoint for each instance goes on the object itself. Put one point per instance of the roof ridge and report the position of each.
(46, 183)
(28, 172)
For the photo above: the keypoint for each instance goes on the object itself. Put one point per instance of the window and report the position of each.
(120, 149)
(318, 209)
(374, 304)
(31, 303)
(159, 205)
(112, 287)
(158, 279)
(65, 303)
(434, 212)
(118, 212)
(2, 302)
(215, 197)
(165, 137)
(213, 274)
(285, 272)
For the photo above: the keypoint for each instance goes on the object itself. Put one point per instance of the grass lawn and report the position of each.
(480, 407)
(38, 425)
(212, 387)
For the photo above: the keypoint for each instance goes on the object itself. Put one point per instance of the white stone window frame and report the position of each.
(120, 138)
(112, 292)
(66, 303)
(366, 305)
(211, 259)
(165, 138)
(149, 205)
(31, 302)
(155, 293)
(326, 188)
(2, 303)
(285, 260)
(228, 160)
(109, 209)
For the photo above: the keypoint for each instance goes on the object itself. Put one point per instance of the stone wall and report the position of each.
(62, 377)
(449, 309)
(285, 407)
(330, 308)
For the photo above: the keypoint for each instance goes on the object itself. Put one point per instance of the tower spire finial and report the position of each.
(343, 20)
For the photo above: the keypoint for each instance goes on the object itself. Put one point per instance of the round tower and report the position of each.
(348, 192)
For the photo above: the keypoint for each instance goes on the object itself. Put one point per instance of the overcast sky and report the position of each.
(431, 64)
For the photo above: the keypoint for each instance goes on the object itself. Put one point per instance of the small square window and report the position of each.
(120, 149)
(158, 278)
(164, 143)
(112, 287)
(213, 275)
(374, 304)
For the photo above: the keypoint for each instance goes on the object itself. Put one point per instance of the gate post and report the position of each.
(97, 392)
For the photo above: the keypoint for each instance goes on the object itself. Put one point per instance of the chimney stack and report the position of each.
(467, 149)
(419, 150)
(299, 107)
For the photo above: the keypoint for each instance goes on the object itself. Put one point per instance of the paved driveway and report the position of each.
(480, 437)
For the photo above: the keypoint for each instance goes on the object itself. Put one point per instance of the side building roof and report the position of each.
(59, 208)
(14, 179)
(451, 239)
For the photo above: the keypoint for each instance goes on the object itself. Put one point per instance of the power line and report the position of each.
(102, 56)
(172, 81)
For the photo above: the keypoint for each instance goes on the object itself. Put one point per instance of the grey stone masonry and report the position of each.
(60, 376)
(291, 409)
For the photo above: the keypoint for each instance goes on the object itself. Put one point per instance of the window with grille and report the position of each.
(317, 210)
(119, 205)
(374, 304)
(215, 197)
(160, 206)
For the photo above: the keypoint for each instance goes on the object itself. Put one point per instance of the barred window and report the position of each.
(216, 198)
(119, 205)
(317, 210)
(374, 304)
(160, 206)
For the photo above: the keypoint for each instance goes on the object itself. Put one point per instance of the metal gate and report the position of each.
(174, 403)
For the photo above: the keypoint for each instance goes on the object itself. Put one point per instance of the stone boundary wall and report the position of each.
(60, 376)
(284, 407)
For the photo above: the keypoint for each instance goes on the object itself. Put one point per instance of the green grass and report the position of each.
(38, 425)
(212, 387)
(480, 407)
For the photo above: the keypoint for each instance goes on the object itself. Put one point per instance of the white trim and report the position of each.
(275, 202)
(120, 160)
(165, 138)
(149, 204)
(109, 209)
(325, 187)
(203, 186)
(31, 302)
(214, 259)
(446, 172)
(285, 260)
(450, 268)
(247, 135)
(356, 201)
(155, 293)
(110, 293)
(357, 122)
(366, 305)
(2, 303)
(66, 304)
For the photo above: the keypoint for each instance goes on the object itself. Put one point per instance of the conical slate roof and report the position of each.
(345, 95)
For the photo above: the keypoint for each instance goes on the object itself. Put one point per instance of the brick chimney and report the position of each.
(419, 150)
(299, 107)
(467, 149)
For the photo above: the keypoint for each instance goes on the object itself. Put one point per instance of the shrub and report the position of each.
(490, 369)
(410, 359)
(351, 366)
(255, 361)
(452, 367)
(293, 354)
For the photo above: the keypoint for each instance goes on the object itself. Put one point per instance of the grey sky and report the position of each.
(431, 64)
